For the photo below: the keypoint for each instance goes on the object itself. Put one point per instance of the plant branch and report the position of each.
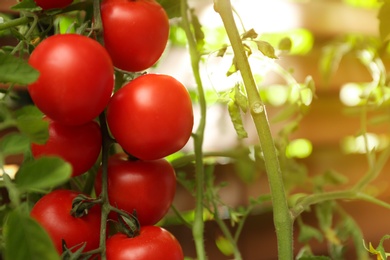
(198, 136)
(282, 219)
(107, 141)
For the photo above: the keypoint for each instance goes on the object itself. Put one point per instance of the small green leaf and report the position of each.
(324, 213)
(221, 52)
(251, 34)
(235, 116)
(29, 121)
(307, 233)
(16, 70)
(267, 49)
(240, 99)
(26, 239)
(285, 44)
(224, 246)
(233, 68)
(26, 5)
(198, 32)
(14, 143)
(43, 173)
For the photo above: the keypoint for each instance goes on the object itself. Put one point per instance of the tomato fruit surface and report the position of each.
(151, 116)
(52, 211)
(76, 78)
(145, 186)
(153, 243)
(50, 4)
(78, 145)
(135, 32)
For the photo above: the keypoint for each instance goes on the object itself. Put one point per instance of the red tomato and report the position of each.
(145, 186)
(79, 145)
(151, 117)
(153, 243)
(135, 32)
(50, 4)
(76, 78)
(52, 211)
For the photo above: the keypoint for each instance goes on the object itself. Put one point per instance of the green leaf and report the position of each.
(267, 49)
(198, 32)
(251, 34)
(26, 5)
(224, 245)
(240, 99)
(43, 173)
(16, 70)
(324, 213)
(26, 239)
(384, 21)
(235, 116)
(14, 143)
(307, 233)
(29, 121)
(172, 7)
(285, 44)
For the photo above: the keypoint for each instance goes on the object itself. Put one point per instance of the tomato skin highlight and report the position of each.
(76, 78)
(135, 32)
(50, 4)
(145, 186)
(153, 243)
(52, 211)
(79, 145)
(151, 117)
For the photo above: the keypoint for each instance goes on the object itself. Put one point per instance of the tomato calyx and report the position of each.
(68, 254)
(128, 223)
(81, 205)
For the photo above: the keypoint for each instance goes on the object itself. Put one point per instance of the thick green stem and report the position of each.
(282, 219)
(198, 226)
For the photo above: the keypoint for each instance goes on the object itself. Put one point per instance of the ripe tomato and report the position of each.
(145, 186)
(79, 145)
(76, 78)
(52, 211)
(153, 243)
(50, 4)
(151, 117)
(135, 32)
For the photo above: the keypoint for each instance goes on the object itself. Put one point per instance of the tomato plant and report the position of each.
(151, 117)
(53, 212)
(48, 4)
(140, 39)
(79, 145)
(151, 243)
(145, 186)
(76, 78)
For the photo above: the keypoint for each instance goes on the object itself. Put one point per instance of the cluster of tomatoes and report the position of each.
(149, 117)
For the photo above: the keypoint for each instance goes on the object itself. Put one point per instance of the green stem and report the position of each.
(374, 170)
(282, 219)
(212, 198)
(15, 22)
(105, 205)
(198, 136)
